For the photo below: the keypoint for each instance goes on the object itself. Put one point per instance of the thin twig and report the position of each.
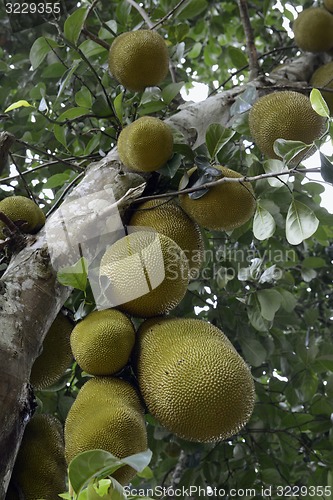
(222, 180)
(249, 35)
(95, 39)
(25, 184)
(169, 14)
(142, 13)
(74, 166)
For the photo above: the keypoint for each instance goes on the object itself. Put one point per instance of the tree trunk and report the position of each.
(31, 297)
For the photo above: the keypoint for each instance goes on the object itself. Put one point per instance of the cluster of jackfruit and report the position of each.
(24, 212)
(40, 469)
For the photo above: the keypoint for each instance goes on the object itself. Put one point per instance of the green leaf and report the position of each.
(301, 223)
(244, 101)
(270, 302)
(326, 168)
(67, 76)
(192, 9)
(288, 150)
(216, 137)
(71, 113)
(39, 50)
(118, 106)
(75, 276)
(255, 317)
(275, 167)
(288, 299)
(313, 262)
(56, 180)
(237, 57)
(319, 104)
(263, 223)
(74, 24)
(83, 98)
(98, 464)
(60, 134)
(254, 352)
(170, 91)
(93, 144)
(19, 104)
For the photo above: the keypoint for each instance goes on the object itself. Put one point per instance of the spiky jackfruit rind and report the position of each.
(40, 469)
(169, 219)
(146, 144)
(139, 59)
(192, 379)
(284, 115)
(323, 78)
(56, 355)
(22, 209)
(225, 206)
(313, 30)
(328, 4)
(150, 265)
(107, 414)
(102, 342)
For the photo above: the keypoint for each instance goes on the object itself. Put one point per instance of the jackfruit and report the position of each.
(146, 144)
(323, 77)
(139, 59)
(144, 274)
(224, 207)
(24, 212)
(313, 30)
(103, 341)
(284, 115)
(192, 379)
(169, 219)
(328, 4)
(56, 355)
(40, 469)
(107, 414)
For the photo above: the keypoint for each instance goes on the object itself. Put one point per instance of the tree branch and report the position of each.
(142, 13)
(250, 45)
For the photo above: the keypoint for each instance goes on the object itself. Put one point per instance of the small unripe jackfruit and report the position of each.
(107, 414)
(24, 212)
(144, 274)
(56, 354)
(169, 219)
(40, 469)
(284, 115)
(139, 59)
(146, 144)
(225, 206)
(103, 341)
(313, 30)
(323, 78)
(192, 379)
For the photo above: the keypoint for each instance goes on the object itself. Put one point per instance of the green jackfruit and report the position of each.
(107, 414)
(313, 30)
(103, 341)
(169, 219)
(146, 144)
(24, 212)
(139, 59)
(144, 274)
(192, 379)
(323, 78)
(284, 115)
(224, 207)
(328, 4)
(40, 469)
(56, 355)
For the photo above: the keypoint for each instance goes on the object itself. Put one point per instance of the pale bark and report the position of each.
(30, 296)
